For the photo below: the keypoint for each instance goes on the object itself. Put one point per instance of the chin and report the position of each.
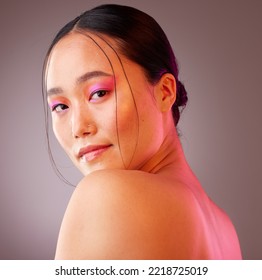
(86, 170)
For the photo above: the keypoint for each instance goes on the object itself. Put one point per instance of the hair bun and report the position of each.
(181, 101)
(181, 98)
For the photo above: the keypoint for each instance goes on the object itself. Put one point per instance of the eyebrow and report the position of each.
(80, 80)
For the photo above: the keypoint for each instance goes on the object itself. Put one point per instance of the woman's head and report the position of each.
(139, 37)
(107, 73)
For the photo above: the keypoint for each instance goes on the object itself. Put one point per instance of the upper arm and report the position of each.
(107, 218)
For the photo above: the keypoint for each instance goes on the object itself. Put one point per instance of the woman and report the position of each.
(112, 86)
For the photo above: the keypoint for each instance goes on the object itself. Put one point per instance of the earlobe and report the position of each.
(165, 92)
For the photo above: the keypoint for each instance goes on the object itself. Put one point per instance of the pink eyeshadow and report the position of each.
(102, 85)
(53, 103)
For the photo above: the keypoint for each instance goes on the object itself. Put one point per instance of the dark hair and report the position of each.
(139, 38)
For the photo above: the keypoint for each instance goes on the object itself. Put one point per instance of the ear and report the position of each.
(165, 92)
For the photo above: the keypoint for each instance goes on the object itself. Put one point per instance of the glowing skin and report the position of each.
(100, 108)
(139, 198)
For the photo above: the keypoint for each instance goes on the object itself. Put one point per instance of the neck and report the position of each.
(169, 157)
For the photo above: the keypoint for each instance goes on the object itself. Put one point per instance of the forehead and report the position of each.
(76, 54)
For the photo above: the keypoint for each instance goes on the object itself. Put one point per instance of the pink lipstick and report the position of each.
(91, 152)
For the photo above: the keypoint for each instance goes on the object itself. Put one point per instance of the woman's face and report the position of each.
(104, 113)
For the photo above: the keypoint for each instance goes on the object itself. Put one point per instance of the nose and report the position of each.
(82, 123)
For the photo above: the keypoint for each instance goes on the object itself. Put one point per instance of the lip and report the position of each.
(89, 153)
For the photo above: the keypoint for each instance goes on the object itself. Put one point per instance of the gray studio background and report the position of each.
(218, 46)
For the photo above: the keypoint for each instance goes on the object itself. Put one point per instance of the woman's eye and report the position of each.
(59, 107)
(98, 94)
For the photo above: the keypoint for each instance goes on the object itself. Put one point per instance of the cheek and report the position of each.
(127, 120)
(128, 133)
(150, 134)
(127, 114)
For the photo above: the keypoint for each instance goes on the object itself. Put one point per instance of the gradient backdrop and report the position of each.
(218, 47)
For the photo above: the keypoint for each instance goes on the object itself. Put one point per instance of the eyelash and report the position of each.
(57, 105)
(64, 107)
(103, 91)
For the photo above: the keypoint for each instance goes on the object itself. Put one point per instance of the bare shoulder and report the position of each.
(107, 218)
(120, 214)
(114, 214)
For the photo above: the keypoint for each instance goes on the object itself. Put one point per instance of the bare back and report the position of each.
(116, 214)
